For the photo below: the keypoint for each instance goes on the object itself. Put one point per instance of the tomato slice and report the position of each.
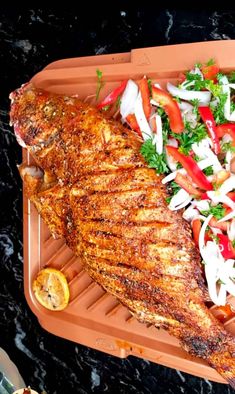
(132, 122)
(196, 228)
(171, 108)
(210, 72)
(145, 94)
(191, 167)
(186, 184)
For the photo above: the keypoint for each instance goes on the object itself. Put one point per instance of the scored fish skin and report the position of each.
(111, 209)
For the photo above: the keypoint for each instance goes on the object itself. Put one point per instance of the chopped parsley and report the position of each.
(118, 102)
(218, 111)
(211, 62)
(154, 160)
(150, 86)
(218, 211)
(100, 83)
(231, 77)
(227, 147)
(208, 171)
(106, 108)
(233, 243)
(190, 136)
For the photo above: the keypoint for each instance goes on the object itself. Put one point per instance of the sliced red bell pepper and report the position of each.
(231, 195)
(113, 96)
(204, 196)
(132, 122)
(191, 167)
(210, 72)
(171, 108)
(226, 248)
(186, 184)
(208, 119)
(196, 228)
(226, 128)
(145, 94)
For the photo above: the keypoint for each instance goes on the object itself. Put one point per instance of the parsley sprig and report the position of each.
(218, 211)
(154, 159)
(100, 83)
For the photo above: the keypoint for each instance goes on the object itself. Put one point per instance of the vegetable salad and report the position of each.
(188, 133)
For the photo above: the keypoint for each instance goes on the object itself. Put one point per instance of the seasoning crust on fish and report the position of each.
(92, 186)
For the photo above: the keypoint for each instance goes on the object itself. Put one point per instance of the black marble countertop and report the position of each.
(28, 41)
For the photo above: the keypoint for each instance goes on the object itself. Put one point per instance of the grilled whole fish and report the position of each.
(92, 187)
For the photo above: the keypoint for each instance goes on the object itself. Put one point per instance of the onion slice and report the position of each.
(202, 97)
(128, 100)
(158, 138)
(141, 119)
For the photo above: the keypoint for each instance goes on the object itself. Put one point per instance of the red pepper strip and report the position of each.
(204, 196)
(112, 97)
(210, 72)
(191, 167)
(171, 108)
(221, 225)
(196, 228)
(231, 195)
(208, 119)
(226, 128)
(145, 94)
(132, 122)
(226, 247)
(186, 184)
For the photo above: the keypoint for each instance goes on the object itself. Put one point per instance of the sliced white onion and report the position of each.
(128, 100)
(228, 158)
(221, 298)
(202, 205)
(201, 241)
(202, 150)
(217, 197)
(190, 213)
(171, 162)
(158, 139)
(184, 106)
(201, 164)
(141, 119)
(213, 262)
(214, 103)
(228, 185)
(202, 97)
(227, 217)
(179, 200)
(216, 231)
(231, 230)
(227, 106)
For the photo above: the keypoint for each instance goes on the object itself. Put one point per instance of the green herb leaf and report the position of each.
(190, 136)
(100, 83)
(218, 211)
(233, 243)
(150, 86)
(118, 102)
(208, 171)
(106, 108)
(227, 147)
(231, 77)
(154, 160)
(210, 62)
